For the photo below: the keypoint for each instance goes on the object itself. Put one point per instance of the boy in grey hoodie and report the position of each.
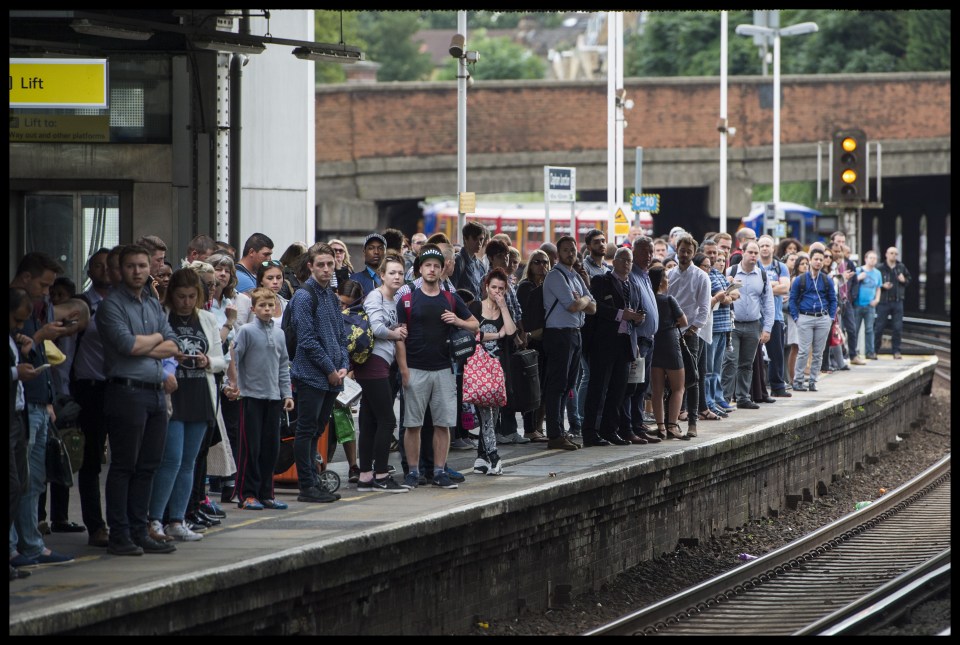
(261, 369)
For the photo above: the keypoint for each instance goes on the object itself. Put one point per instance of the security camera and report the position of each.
(457, 43)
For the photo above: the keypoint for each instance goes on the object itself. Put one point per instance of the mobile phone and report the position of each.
(733, 287)
(43, 367)
(68, 321)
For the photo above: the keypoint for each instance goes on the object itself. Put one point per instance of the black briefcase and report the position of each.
(523, 381)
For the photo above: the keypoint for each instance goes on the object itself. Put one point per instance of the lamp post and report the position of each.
(793, 30)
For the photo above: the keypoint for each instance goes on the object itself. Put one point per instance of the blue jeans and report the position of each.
(868, 316)
(314, 411)
(25, 536)
(173, 480)
(714, 366)
(577, 406)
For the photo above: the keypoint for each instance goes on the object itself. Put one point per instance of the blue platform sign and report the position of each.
(645, 202)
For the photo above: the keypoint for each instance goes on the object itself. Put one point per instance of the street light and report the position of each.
(793, 30)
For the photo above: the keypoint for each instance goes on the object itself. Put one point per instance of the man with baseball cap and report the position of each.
(374, 247)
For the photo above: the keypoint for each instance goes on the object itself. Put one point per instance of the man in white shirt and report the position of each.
(691, 287)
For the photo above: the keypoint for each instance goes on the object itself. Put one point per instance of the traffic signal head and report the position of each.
(849, 176)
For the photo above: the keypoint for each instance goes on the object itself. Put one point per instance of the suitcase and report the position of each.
(523, 381)
(285, 470)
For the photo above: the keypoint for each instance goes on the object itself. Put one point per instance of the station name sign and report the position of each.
(59, 83)
(561, 183)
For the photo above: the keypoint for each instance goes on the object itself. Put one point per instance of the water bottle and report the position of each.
(860, 505)
(747, 557)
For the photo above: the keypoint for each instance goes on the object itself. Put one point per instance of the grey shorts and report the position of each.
(436, 389)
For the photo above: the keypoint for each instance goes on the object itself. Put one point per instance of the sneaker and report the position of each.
(320, 495)
(21, 560)
(442, 480)
(873, 357)
(211, 508)
(123, 546)
(354, 474)
(251, 504)
(856, 360)
(799, 387)
(196, 528)
(387, 485)
(155, 530)
(812, 387)
(324, 485)
(648, 417)
(178, 531)
(454, 475)
(561, 443)
(514, 438)
(462, 444)
(149, 545)
(422, 479)
(411, 480)
(365, 487)
(275, 504)
(481, 466)
(496, 465)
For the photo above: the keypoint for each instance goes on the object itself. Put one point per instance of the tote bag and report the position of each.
(483, 381)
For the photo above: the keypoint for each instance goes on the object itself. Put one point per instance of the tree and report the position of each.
(327, 30)
(500, 59)
(390, 34)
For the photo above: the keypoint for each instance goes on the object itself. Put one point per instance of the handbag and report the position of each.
(343, 424)
(483, 381)
(691, 376)
(836, 334)
(59, 470)
(74, 441)
(637, 373)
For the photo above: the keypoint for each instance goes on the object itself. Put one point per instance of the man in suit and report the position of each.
(613, 340)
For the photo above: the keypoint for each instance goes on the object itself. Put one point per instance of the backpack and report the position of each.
(535, 314)
(288, 326)
(360, 336)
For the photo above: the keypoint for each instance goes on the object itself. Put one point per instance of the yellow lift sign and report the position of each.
(621, 225)
(58, 83)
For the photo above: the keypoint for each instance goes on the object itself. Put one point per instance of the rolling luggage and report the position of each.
(523, 381)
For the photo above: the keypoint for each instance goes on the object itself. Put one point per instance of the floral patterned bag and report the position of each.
(483, 380)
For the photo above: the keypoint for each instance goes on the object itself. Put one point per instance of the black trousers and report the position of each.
(377, 421)
(561, 347)
(609, 366)
(90, 396)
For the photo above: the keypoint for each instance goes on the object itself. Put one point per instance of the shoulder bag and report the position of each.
(483, 380)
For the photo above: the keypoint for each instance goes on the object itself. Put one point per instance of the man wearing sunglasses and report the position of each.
(257, 249)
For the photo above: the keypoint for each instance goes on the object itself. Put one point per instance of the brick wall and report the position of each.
(420, 119)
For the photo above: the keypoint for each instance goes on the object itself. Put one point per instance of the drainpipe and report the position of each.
(237, 61)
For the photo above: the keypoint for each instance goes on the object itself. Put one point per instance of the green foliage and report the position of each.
(390, 34)
(499, 59)
(687, 43)
(327, 30)
(799, 192)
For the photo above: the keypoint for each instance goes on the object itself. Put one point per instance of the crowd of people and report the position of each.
(190, 374)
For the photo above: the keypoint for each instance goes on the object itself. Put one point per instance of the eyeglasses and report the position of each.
(338, 251)
(270, 263)
(827, 257)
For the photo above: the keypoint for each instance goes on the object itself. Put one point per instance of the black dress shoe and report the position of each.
(747, 405)
(149, 545)
(782, 394)
(768, 399)
(67, 527)
(594, 442)
(616, 439)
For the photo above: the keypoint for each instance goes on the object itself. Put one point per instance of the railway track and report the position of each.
(929, 337)
(821, 581)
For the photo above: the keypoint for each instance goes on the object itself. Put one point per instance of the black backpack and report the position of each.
(288, 326)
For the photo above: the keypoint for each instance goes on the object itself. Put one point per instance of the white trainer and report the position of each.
(481, 466)
(179, 531)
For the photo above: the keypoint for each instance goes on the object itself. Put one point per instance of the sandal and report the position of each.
(677, 434)
(661, 433)
(709, 415)
(683, 416)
